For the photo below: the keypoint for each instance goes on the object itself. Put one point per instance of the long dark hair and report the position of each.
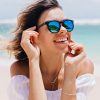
(26, 19)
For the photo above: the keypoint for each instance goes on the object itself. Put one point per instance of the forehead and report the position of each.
(52, 14)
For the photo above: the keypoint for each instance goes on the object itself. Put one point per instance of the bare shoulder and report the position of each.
(19, 68)
(86, 66)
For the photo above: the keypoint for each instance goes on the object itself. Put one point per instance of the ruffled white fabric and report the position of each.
(19, 88)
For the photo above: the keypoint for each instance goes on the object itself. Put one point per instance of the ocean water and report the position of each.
(89, 36)
(86, 34)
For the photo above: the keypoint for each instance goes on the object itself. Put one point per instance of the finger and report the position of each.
(75, 47)
(27, 34)
(70, 51)
(71, 41)
(71, 44)
(76, 51)
(26, 39)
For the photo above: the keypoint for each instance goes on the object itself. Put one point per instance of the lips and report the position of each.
(61, 40)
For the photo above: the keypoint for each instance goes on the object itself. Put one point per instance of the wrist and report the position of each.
(32, 60)
(69, 83)
(69, 77)
(69, 74)
(33, 63)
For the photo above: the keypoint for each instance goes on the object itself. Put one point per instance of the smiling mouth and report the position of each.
(61, 40)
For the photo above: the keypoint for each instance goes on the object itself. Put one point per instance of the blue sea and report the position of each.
(86, 34)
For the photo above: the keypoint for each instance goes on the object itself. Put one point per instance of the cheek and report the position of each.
(45, 41)
(45, 35)
(70, 35)
(42, 39)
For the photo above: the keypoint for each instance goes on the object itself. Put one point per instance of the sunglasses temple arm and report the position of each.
(38, 26)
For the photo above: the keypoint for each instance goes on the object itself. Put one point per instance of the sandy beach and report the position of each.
(5, 78)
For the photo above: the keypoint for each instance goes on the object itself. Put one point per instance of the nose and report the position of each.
(63, 30)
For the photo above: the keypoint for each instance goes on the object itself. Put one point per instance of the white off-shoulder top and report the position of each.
(18, 88)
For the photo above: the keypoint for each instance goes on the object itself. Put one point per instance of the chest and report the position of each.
(56, 84)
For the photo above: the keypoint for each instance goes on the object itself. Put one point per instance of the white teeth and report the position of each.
(61, 40)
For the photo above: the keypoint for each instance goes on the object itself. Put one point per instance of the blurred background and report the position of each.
(86, 15)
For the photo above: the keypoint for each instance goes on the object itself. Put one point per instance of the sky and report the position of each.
(77, 9)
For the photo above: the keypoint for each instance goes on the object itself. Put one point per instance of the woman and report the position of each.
(49, 66)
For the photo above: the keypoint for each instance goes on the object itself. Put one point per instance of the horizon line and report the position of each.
(76, 21)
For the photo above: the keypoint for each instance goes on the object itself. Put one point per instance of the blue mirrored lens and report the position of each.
(53, 26)
(69, 25)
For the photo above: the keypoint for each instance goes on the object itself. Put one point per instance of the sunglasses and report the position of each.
(54, 25)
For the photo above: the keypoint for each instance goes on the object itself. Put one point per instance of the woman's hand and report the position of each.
(28, 43)
(72, 59)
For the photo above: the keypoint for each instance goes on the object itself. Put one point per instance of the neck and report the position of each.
(51, 64)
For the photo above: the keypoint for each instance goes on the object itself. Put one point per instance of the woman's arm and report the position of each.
(69, 89)
(36, 87)
(28, 43)
(70, 71)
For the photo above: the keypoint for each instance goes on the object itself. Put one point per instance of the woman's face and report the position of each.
(49, 42)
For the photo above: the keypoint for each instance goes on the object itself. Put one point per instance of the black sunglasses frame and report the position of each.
(60, 23)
